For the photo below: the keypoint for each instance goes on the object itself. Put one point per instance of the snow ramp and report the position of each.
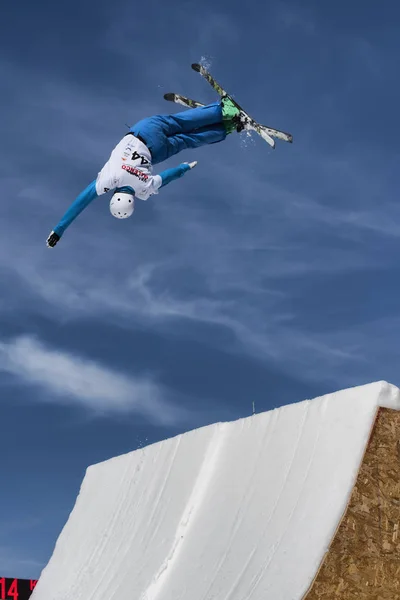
(298, 502)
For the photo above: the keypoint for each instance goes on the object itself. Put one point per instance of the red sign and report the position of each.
(16, 589)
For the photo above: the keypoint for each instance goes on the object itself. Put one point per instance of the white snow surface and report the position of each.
(233, 511)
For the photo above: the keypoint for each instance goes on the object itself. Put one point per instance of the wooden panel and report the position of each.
(363, 561)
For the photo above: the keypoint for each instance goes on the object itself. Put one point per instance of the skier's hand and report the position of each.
(191, 164)
(52, 239)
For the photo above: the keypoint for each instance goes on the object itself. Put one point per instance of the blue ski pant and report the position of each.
(166, 135)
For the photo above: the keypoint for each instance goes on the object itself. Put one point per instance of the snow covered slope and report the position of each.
(233, 511)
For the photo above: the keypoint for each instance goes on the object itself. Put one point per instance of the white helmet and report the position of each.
(122, 205)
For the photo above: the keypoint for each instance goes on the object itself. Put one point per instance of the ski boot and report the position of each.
(231, 116)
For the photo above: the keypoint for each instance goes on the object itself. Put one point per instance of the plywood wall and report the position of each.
(363, 562)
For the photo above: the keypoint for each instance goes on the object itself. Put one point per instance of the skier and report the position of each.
(151, 141)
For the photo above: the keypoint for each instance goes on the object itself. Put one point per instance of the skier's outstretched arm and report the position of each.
(81, 202)
(176, 172)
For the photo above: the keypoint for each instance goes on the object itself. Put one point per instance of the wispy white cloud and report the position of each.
(294, 17)
(236, 265)
(271, 337)
(66, 377)
(27, 522)
(244, 236)
(15, 564)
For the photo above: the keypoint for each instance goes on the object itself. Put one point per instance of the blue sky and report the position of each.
(266, 276)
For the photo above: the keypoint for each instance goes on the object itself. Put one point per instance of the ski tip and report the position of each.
(169, 96)
(196, 67)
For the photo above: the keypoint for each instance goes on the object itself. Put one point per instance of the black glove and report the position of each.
(52, 239)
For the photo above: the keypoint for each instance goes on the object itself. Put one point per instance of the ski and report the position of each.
(184, 101)
(267, 133)
(178, 99)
